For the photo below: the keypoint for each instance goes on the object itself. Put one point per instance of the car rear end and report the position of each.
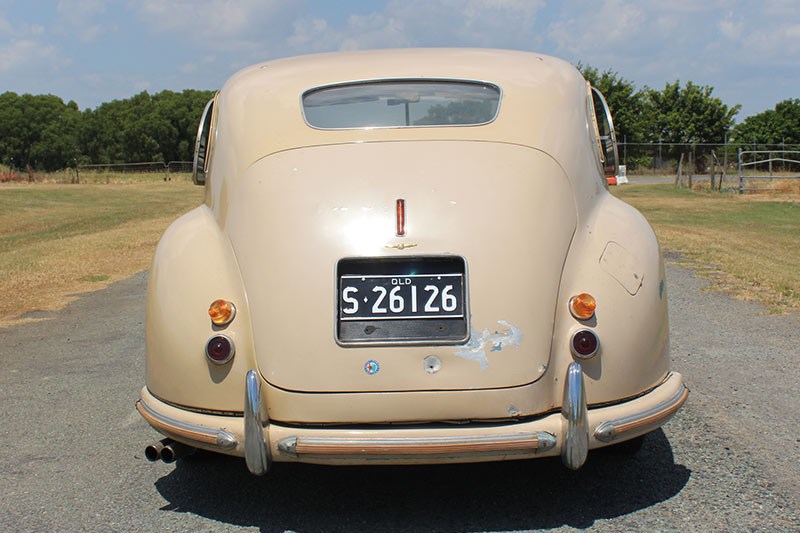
(420, 283)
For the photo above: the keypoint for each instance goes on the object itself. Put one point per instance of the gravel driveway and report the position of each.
(72, 445)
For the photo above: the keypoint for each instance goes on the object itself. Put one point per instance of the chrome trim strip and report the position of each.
(575, 447)
(206, 435)
(655, 416)
(412, 447)
(256, 453)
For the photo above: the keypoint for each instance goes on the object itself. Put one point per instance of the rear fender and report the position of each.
(194, 265)
(616, 258)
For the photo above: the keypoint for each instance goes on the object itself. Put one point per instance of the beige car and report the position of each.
(407, 256)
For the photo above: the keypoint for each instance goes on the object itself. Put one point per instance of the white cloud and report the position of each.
(5, 27)
(29, 55)
(608, 30)
(80, 18)
(689, 6)
(782, 8)
(198, 66)
(211, 20)
(779, 43)
(481, 23)
(730, 26)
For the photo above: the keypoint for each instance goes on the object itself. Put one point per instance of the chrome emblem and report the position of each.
(401, 246)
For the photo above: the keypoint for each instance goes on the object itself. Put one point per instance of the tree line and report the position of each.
(680, 116)
(44, 133)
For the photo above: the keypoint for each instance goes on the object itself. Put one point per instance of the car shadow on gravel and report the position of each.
(513, 495)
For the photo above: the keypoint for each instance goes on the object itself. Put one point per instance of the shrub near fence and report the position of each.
(7, 175)
(150, 171)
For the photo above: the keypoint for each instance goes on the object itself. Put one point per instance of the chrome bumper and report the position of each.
(576, 429)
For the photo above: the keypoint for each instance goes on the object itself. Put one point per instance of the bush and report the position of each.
(7, 175)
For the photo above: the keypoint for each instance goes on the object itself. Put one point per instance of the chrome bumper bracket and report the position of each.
(256, 452)
(575, 447)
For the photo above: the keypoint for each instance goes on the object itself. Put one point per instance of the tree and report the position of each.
(688, 115)
(772, 127)
(38, 131)
(143, 128)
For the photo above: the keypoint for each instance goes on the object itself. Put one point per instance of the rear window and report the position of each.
(399, 104)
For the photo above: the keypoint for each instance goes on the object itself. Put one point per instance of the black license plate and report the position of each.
(401, 300)
(387, 297)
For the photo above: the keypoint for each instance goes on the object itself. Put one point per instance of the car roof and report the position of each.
(260, 106)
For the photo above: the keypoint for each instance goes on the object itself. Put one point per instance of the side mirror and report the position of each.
(608, 138)
(201, 146)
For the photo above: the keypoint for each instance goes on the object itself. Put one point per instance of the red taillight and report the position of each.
(584, 344)
(220, 349)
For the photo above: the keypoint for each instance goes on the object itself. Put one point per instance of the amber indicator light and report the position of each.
(582, 306)
(401, 217)
(221, 312)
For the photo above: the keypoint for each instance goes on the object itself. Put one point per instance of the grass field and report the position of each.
(59, 240)
(747, 245)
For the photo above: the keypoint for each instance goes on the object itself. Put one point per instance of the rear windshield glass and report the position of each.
(393, 104)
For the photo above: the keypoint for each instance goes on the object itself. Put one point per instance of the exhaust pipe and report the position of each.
(167, 450)
(153, 451)
(175, 450)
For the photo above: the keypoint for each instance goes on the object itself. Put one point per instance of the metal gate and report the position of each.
(768, 161)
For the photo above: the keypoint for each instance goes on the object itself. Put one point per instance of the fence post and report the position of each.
(741, 174)
(680, 170)
(713, 169)
(724, 162)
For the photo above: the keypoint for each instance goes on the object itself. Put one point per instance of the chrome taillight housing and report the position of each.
(220, 349)
(584, 344)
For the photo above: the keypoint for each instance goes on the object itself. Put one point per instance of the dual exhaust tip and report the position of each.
(167, 450)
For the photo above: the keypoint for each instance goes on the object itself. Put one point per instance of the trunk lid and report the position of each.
(507, 210)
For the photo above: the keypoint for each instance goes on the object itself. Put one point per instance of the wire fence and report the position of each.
(738, 167)
(698, 158)
(168, 171)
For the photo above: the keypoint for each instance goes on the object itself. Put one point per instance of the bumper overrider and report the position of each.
(571, 432)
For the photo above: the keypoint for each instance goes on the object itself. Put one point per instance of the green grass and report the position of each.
(58, 240)
(40, 213)
(748, 245)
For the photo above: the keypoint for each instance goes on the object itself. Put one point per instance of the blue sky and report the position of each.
(94, 51)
